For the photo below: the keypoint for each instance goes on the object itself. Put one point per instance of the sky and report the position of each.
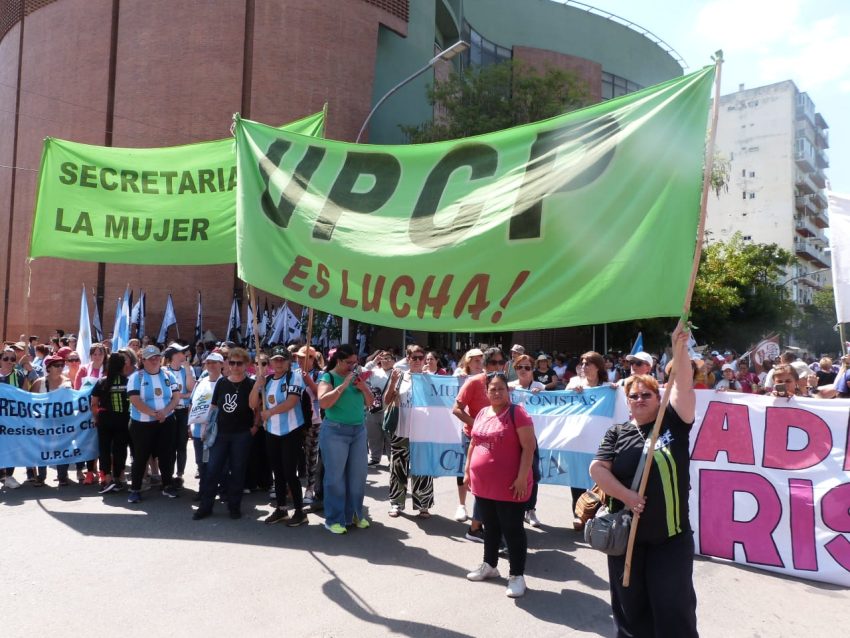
(764, 41)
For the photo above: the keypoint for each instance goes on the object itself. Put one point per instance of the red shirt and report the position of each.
(496, 454)
(473, 394)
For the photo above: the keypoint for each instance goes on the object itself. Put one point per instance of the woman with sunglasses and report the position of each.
(498, 472)
(422, 487)
(591, 374)
(53, 379)
(342, 440)
(278, 399)
(524, 366)
(231, 402)
(660, 599)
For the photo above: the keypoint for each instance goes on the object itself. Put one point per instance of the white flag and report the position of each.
(234, 322)
(84, 333)
(98, 329)
(168, 319)
(293, 326)
(839, 244)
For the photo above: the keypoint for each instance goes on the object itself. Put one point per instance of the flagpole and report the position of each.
(706, 182)
(309, 328)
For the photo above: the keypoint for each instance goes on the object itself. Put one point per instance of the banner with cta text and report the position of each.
(569, 426)
(173, 205)
(533, 227)
(770, 484)
(52, 428)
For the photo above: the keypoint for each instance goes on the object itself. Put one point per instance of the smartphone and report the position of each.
(780, 389)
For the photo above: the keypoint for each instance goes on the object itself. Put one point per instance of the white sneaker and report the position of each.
(11, 483)
(484, 572)
(460, 514)
(531, 518)
(516, 587)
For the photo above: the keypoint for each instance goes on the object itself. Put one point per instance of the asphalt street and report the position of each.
(76, 563)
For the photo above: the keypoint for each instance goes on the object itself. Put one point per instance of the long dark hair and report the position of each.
(115, 368)
(343, 351)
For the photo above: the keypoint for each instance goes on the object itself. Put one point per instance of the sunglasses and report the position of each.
(496, 362)
(522, 367)
(499, 375)
(72, 360)
(418, 357)
(641, 395)
(236, 362)
(9, 359)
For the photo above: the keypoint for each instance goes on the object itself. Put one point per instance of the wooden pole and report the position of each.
(706, 184)
(309, 328)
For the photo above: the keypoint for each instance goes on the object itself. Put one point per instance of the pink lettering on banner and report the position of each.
(835, 510)
(718, 529)
(725, 428)
(778, 424)
(803, 550)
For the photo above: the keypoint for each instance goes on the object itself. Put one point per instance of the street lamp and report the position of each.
(445, 55)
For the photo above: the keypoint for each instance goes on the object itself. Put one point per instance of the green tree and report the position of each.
(816, 328)
(496, 97)
(737, 298)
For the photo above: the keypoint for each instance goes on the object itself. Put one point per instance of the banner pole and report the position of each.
(252, 297)
(706, 183)
(309, 329)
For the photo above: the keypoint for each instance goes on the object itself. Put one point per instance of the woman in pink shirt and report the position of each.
(90, 373)
(498, 471)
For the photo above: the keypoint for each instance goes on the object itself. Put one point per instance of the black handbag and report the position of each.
(609, 531)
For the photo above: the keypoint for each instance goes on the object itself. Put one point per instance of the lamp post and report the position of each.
(445, 55)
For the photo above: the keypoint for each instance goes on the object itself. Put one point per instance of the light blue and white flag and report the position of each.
(169, 318)
(569, 427)
(137, 315)
(638, 347)
(121, 330)
(47, 428)
(84, 331)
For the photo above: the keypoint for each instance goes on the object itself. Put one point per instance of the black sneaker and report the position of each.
(200, 513)
(107, 487)
(120, 486)
(475, 535)
(298, 518)
(276, 516)
(170, 491)
(178, 481)
(374, 462)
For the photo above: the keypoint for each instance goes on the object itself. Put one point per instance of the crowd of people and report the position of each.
(306, 429)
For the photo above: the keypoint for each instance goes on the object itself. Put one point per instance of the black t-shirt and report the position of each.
(545, 377)
(231, 399)
(825, 377)
(112, 399)
(667, 489)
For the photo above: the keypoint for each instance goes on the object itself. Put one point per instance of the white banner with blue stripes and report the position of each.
(52, 428)
(569, 427)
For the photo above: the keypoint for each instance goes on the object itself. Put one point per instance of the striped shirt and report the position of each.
(155, 391)
(182, 379)
(276, 391)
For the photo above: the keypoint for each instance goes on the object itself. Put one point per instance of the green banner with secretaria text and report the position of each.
(585, 218)
(172, 205)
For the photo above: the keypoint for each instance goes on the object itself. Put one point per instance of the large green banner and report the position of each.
(585, 218)
(173, 205)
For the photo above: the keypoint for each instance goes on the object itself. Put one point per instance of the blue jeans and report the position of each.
(230, 450)
(343, 450)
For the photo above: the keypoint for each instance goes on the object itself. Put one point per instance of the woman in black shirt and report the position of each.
(660, 599)
(234, 431)
(111, 409)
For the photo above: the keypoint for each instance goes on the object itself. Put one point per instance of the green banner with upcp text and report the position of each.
(585, 218)
(172, 205)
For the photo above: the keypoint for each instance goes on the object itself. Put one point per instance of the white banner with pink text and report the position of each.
(770, 483)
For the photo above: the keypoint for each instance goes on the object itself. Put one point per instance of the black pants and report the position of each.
(284, 454)
(113, 436)
(258, 475)
(660, 599)
(181, 439)
(504, 519)
(152, 439)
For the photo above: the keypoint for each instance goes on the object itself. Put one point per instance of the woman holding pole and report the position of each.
(660, 598)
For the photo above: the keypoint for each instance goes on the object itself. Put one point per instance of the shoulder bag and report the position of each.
(609, 532)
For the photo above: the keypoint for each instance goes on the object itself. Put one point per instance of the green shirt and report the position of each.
(348, 408)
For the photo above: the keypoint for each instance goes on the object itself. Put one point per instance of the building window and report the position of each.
(752, 195)
(752, 173)
(743, 172)
(482, 52)
(753, 149)
(744, 195)
(748, 238)
(615, 86)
